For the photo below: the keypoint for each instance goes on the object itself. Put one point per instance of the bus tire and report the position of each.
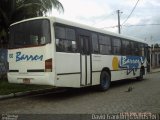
(105, 81)
(140, 77)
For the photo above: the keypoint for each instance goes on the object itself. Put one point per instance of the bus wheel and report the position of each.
(105, 81)
(141, 74)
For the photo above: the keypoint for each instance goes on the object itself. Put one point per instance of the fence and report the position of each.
(3, 62)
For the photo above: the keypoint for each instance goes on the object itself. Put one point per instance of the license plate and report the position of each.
(26, 81)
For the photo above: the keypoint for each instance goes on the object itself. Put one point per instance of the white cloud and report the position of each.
(153, 2)
(134, 21)
(83, 8)
(102, 13)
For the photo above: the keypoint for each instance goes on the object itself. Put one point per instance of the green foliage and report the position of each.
(15, 10)
(35, 8)
(156, 45)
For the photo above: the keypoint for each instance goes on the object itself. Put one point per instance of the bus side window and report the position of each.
(105, 44)
(60, 36)
(141, 52)
(59, 45)
(71, 38)
(131, 48)
(95, 48)
(65, 39)
(136, 49)
(116, 46)
(126, 47)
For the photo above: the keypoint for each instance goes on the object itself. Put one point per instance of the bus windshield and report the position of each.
(30, 33)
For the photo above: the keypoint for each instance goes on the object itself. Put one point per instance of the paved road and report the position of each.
(144, 97)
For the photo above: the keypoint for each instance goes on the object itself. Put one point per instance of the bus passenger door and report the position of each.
(85, 60)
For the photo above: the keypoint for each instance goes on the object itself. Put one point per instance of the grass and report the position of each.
(7, 88)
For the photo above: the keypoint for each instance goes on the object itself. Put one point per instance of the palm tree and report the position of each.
(34, 8)
(4, 17)
(15, 10)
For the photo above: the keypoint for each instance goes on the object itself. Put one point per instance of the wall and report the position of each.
(155, 57)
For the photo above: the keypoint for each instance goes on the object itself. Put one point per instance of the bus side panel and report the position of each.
(118, 69)
(124, 67)
(68, 69)
(98, 63)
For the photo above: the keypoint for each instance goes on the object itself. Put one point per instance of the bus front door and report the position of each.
(85, 59)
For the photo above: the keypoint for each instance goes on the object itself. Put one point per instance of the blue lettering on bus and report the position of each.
(20, 57)
(132, 63)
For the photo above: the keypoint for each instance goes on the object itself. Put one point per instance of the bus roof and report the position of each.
(79, 25)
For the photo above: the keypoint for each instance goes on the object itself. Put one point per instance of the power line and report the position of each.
(131, 12)
(140, 25)
(110, 27)
(118, 12)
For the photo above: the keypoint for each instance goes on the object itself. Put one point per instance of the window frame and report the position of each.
(65, 39)
(127, 50)
(106, 45)
(113, 46)
(12, 42)
(92, 47)
(111, 37)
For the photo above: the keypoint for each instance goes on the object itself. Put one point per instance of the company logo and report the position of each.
(130, 63)
(23, 57)
(115, 63)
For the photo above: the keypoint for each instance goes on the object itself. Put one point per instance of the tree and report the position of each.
(34, 8)
(15, 10)
(156, 45)
(5, 14)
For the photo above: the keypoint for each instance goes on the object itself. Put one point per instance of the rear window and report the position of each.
(30, 33)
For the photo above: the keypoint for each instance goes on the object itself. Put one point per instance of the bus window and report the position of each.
(136, 49)
(131, 44)
(65, 39)
(105, 44)
(70, 34)
(116, 46)
(30, 33)
(60, 32)
(141, 50)
(126, 47)
(95, 48)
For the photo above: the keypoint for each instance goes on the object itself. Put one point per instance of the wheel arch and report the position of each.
(105, 79)
(107, 70)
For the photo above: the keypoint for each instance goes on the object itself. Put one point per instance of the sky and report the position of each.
(103, 14)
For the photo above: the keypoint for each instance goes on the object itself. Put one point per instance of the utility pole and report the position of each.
(119, 24)
(151, 39)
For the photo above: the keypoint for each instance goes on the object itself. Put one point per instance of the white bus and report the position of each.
(56, 52)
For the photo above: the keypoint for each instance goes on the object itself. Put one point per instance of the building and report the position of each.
(155, 57)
